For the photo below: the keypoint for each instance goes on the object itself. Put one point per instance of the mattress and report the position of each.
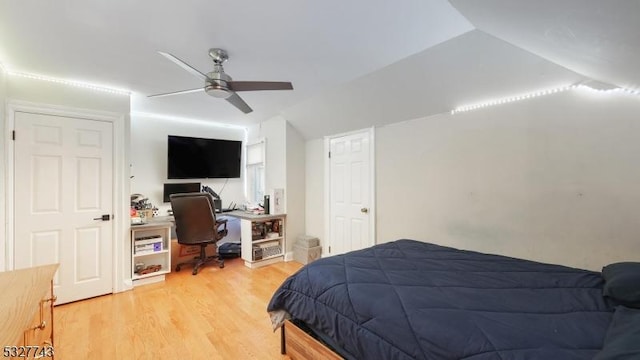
(413, 300)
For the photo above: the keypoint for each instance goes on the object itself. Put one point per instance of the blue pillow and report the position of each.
(622, 283)
(623, 336)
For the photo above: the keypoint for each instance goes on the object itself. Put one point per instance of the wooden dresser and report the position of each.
(26, 313)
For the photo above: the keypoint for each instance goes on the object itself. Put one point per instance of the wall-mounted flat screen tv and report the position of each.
(200, 158)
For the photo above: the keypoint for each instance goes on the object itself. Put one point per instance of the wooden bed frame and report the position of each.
(297, 344)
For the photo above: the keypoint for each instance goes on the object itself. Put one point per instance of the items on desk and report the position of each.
(255, 209)
(265, 204)
(217, 202)
(135, 217)
(141, 209)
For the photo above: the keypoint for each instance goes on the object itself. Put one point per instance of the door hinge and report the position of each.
(13, 135)
(329, 249)
(329, 154)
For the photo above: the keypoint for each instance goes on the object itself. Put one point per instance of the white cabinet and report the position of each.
(150, 252)
(262, 237)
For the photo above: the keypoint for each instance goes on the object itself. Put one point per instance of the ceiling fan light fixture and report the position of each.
(219, 85)
(217, 91)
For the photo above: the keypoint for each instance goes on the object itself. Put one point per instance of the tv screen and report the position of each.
(179, 188)
(199, 158)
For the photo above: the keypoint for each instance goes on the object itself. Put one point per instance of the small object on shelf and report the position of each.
(258, 231)
(148, 245)
(150, 269)
(269, 244)
(271, 250)
(139, 267)
(257, 253)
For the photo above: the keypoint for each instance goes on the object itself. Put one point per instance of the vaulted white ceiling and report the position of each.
(353, 63)
(599, 39)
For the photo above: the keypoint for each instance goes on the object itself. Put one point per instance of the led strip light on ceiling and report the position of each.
(70, 82)
(512, 99)
(79, 84)
(541, 93)
(613, 90)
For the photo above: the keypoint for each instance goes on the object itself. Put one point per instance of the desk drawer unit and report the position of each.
(40, 333)
(26, 328)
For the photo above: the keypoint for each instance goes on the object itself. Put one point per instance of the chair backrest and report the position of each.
(195, 218)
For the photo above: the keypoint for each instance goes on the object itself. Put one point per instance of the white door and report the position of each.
(62, 188)
(350, 196)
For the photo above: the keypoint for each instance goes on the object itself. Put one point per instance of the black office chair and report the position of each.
(196, 224)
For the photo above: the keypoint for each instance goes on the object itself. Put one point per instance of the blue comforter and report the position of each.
(413, 300)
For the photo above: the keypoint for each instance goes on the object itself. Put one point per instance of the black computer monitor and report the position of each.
(176, 188)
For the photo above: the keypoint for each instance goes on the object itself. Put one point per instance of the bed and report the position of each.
(414, 300)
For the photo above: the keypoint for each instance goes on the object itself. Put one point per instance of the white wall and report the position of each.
(551, 179)
(149, 161)
(58, 94)
(3, 170)
(314, 192)
(284, 168)
(295, 191)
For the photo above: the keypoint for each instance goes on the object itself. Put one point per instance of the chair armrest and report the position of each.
(221, 222)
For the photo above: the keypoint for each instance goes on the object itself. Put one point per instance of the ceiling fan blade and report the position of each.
(184, 65)
(259, 85)
(237, 101)
(177, 92)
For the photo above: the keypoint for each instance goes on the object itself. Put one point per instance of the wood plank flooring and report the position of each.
(217, 314)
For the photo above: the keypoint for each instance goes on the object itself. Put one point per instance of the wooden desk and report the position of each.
(260, 245)
(26, 308)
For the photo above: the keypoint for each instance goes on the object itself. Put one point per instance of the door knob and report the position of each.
(364, 210)
(105, 217)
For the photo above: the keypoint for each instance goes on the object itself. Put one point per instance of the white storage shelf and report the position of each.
(155, 239)
(255, 237)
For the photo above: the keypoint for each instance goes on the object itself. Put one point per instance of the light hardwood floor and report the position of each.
(217, 314)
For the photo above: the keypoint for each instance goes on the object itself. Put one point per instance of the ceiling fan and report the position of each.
(220, 85)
